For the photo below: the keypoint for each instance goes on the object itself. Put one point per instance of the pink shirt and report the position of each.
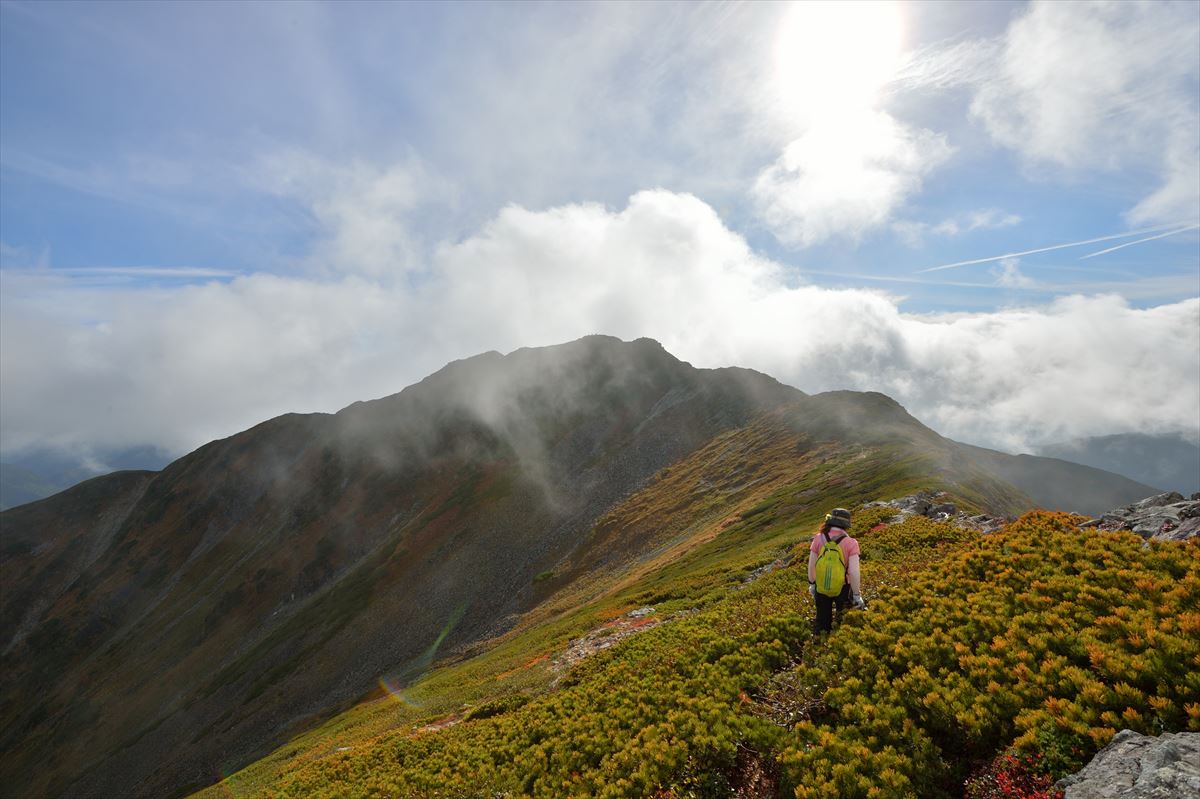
(849, 545)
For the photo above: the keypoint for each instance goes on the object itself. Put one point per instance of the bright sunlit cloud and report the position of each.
(845, 175)
(834, 56)
(850, 164)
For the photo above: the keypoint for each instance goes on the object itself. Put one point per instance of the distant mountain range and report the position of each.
(160, 628)
(36, 474)
(1170, 462)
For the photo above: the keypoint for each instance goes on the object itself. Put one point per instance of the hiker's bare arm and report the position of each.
(812, 567)
(852, 573)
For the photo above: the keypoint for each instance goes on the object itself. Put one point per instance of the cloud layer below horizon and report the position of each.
(104, 367)
(342, 198)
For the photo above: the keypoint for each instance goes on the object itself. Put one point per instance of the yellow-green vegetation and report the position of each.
(1042, 638)
(684, 565)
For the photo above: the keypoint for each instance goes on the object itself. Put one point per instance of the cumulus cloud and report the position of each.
(1102, 85)
(179, 366)
(845, 176)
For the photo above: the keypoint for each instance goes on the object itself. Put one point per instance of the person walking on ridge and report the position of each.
(834, 578)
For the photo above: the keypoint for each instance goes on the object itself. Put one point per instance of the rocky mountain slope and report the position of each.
(172, 626)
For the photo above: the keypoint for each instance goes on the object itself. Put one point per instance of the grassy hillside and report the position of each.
(689, 540)
(1029, 639)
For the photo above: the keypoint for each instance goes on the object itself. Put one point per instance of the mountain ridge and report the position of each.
(250, 569)
(292, 476)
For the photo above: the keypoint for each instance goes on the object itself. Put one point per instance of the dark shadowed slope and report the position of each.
(69, 534)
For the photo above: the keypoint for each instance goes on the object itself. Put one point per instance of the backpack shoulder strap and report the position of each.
(842, 552)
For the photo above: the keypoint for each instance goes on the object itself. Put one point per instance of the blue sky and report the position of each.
(215, 212)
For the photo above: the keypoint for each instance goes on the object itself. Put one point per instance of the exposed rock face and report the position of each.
(1163, 516)
(1136, 766)
(933, 506)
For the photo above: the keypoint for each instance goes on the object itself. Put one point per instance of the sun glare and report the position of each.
(832, 56)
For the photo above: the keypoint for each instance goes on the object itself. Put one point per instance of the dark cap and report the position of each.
(839, 517)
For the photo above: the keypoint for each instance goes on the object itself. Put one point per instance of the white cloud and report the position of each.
(1103, 86)
(179, 366)
(845, 176)
(948, 65)
(850, 165)
(364, 213)
(914, 233)
(1008, 274)
(1179, 196)
(990, 218)
(14, 257)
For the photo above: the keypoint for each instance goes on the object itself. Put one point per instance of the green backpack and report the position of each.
(831, 567)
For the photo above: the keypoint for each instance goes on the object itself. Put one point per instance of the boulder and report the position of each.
(1136, 766)
(917, 503)
(934, 506)
(1150, 526)
(1163, 516)
(1156, 501)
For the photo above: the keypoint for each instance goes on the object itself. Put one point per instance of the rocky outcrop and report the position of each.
(607, 634)
(1163, 516)
(1136, 766)
(937, 507)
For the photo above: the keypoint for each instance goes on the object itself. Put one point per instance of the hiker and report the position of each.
(833, 573)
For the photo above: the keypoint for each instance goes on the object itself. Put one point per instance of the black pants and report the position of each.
(825, 606)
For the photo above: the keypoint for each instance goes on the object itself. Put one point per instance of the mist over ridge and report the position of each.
(490, 401)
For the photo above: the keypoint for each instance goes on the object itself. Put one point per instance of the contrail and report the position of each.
(1139, 241)
(1048, 249)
